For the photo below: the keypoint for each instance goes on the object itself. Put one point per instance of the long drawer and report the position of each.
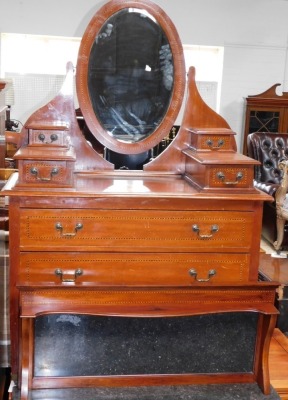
(130, 230)
(131, 269)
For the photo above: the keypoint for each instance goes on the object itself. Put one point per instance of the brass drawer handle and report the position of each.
(193, 272)
(214, 229)
(34, 171)
(221, 177)
(77, 272)
(59, 227)
(210, 144)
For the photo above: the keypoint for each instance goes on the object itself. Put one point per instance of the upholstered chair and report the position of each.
(270, 149)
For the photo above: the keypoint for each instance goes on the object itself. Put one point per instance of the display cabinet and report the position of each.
(3, 107)
(266, 112)
(135, 279)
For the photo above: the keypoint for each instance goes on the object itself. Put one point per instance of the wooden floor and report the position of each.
(278, 363)
(276, 269)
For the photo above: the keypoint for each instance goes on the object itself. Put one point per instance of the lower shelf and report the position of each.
(187, 392)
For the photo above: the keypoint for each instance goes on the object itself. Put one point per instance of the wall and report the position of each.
(253, 32)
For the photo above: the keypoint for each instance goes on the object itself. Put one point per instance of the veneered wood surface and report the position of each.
(130, 269)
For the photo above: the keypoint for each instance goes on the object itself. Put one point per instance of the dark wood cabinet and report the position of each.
(3, 87)
(266, 112)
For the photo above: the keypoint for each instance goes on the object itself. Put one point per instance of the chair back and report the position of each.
(268, 148)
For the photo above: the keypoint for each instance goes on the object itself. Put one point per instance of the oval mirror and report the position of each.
(130, 75)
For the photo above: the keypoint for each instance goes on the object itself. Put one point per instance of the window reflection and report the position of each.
(130, 77)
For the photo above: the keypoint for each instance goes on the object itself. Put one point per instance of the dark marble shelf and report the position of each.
(195, 392)
(221, 343)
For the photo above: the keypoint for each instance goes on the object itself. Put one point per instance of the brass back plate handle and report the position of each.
(77, 272)
(193, 272)
(221, 177)
(59, 227)
(214, 229)
(34, 171)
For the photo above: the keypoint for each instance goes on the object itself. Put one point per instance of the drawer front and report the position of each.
(92, 269)
(129, 230)
(235, 177)
(215, 142)
(49, 137)
(48, 173)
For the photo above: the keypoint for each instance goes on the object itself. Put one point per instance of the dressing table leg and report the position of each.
(27, 338)
(266, 327)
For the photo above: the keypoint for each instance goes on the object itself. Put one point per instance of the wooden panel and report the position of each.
(116, 230)
(149, 301)
(48, 173)
(132, 269)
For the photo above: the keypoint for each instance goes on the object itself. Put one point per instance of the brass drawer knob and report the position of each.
(193, 272)
(77, 272)
(42, 137)
(214, 229)
(59, 227)
(53, 137)
(210, 143)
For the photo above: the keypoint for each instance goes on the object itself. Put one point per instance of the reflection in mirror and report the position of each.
(130, 75)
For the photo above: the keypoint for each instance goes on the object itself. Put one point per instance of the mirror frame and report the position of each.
(177, 95)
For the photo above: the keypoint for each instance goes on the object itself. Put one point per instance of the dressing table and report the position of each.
(124, 278)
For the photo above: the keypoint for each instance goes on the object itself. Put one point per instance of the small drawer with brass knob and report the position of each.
(48, 138)
(45, 133)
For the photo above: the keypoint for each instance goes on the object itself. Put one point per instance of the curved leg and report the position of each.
(280, 222)
(266, 327)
